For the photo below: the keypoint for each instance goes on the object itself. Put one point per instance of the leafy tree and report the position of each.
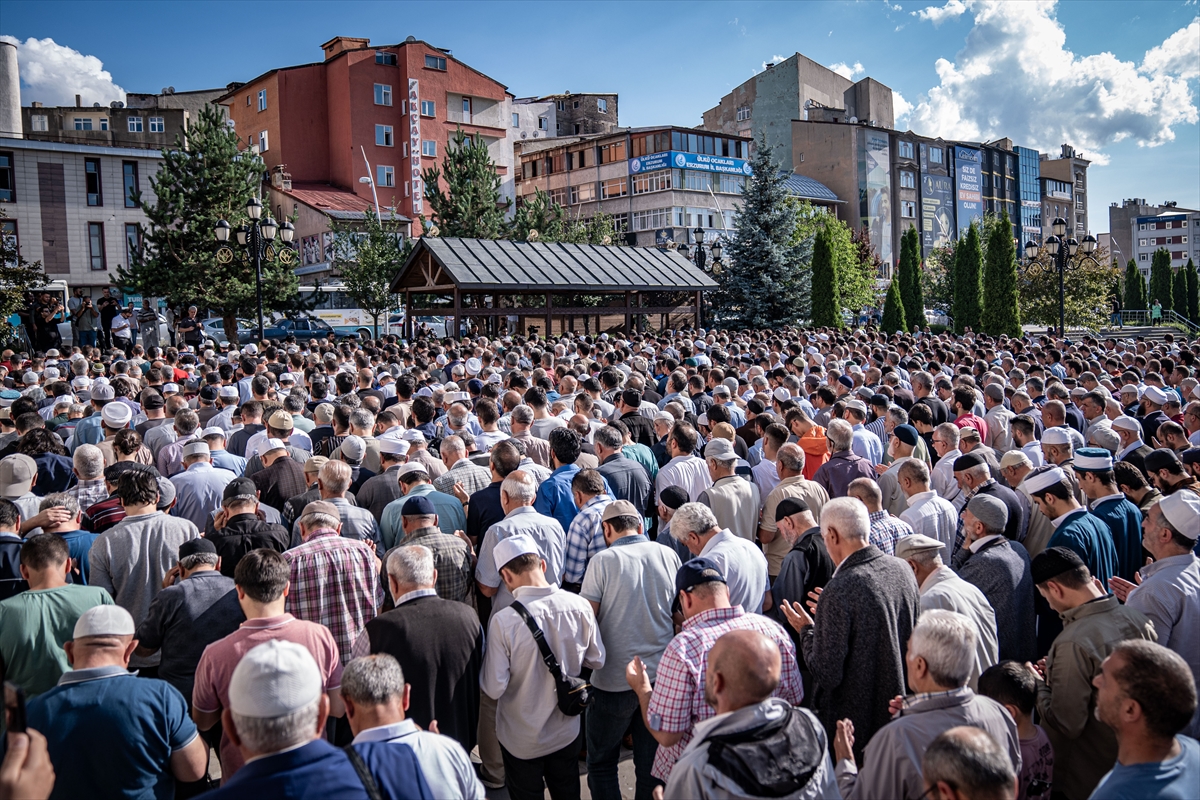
(1193, 292)
(1087, 287)
(202, 180)
(968, 270)
(1001, 309)
(17, 276)
(1179, 292)
(368, 256)
(761, 286)
(909, 274)
(1135, 288)
(893, 308)
(826, 302)
(937, 276)
(470, 206)
(554, 224)
(1160, 278)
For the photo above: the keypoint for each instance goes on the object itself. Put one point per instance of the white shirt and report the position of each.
(766, 475)
(1034, 451)
(689, 473)
(942, 477)
(445, 765)
(933, 516)
(257, 443)
(528, 722)
(744, 567)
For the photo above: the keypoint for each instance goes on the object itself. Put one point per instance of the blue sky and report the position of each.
(1110, 77)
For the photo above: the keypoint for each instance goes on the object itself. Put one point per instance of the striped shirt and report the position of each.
(585, 538)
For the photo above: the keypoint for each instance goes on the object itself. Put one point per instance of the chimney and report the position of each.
(10, 92)
(78, 102)
(339, 44)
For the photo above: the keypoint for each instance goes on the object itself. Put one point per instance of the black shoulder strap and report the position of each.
(540, 639)
(364, 774)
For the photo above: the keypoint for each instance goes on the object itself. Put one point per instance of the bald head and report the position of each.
(743, 669)
(971, 764)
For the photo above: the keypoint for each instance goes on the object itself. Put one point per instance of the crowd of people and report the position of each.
(789, 563)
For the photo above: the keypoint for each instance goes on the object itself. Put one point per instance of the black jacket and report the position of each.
(243, 533)
(641, 429)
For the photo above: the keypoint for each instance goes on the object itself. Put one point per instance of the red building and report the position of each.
(399, 103)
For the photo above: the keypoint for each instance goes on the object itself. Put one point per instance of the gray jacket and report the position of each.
(1001, 571)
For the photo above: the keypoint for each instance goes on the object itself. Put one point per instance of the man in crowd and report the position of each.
(742, 565)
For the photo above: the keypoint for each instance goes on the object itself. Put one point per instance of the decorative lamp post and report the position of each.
(256, 240)
(698, 238)
(1061, 250)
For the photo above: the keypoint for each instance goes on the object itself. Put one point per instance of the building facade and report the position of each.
(1122, 225)
(71, 207)
(583, 114)
(1173, 230)
(142, 121)
(1070, 168)
(1029, 190)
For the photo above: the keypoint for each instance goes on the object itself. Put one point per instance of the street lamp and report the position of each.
(1061, 251)
(256, 239)
(698, 238)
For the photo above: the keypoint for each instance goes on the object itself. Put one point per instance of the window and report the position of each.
(651, 219)
(247, 100)
(906, 150)
(405, 146)
(385, 176)
(104, 123)
(935, 155)
(387, 59)
(133, 241)
(429, 148)
(157, 125)
(696, 181)
(1141, 256)
(516, 120)
(428, 108)
(96, 257)
(908, 180)
(383, 135)
(908, 208)
(91, 170)
(583, 193)
(383, 94)
(130, 176)
(135, 124)
(617, 187)
(601, 105)
(435, 62)
(406, 188)
(578, 127)
(262, 100)
(652, 182)
(84, 123)
(560, 105)
(1183, 240)
(1141, 242)
(612, 152)
(8, 186)
(577, 160)
(543, 123)
(262, 142)
(743, 113)
(39, 122)
(730, 184)
(466, 117)
(558, 196)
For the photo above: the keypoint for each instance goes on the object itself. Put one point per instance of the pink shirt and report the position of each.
(216, 666)
(972, 421)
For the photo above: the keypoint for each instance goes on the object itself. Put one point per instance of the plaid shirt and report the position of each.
(585, 538)
(334, 583)
(678, 700)
(886, 530)
(451, 558)
(88, 493)
(472, 477)
(960, 536)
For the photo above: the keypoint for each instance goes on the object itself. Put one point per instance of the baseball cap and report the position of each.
(697, 571)
(104, 621)
(274, 679)
(313, 465)
(281, 421)
(619, 508)
(417, 507)
(720, 449)
(16, 475)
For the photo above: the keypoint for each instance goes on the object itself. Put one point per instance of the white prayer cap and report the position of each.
(213, 431)
(424, 391)
(667, 417)
(392, 446)
(513, 546)
(228, 391)
(1126, 423)
(271, 445)
(1056, 436)
(274, 679)
(195, 449)
(1156, 395)
(104, 621)
(1040, 481)
(116, 415)
(1182, 510)
(411, 466)
(1129, 388)
(413, 435)
(781, 394)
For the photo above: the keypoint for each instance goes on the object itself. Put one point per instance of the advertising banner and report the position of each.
(875, 191)
(695, 161)
(937, 212)
(414, 144)
(969, 187)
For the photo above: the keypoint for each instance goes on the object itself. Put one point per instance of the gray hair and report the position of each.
(949, 432)
(946, 640)
(272, 734)
(60, 500)
(520, 487)
(186, 421)
(694, 518)
(335, 477)
(970, 760)
(849, 516)
(453, 444)
(198, 559)
(362, 419)
(89, 462)
(915, 470)
(317, 520)
(609, 438)
(790, 457)
(373, 680)
(840, 434)
(522, 414)
(411, 565)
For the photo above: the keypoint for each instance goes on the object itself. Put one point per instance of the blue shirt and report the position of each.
(111, 734)
(1125, 521)
(223, 459)
(1174, 779)
(80, 545)
(1087, 535)
(867, 445)
(87, 431)
(449, 510)
(551, 541)
(554, 498)
(198, 491)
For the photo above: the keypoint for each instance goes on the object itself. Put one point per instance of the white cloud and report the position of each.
(901, 109)
(939, 14)
(1014, 77)
(53, 74)
(774, 60)
(847, 71)
(893, 6)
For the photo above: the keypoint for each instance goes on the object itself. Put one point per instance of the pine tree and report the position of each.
(893, 309)
(1001, 307)
(470, 207)
(367, 257)
(1179, 292)
(762, 287)
(1160, 278)
(968, 269)
(1135, 288)
(203, 180)
(909, 276)
(1193, 292)
(826, 303)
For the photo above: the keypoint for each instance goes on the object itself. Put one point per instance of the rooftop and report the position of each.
(333, 202)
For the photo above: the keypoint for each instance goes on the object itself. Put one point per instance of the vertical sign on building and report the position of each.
(937, 212)
(414, 145)
(968, 187)
(875, 187)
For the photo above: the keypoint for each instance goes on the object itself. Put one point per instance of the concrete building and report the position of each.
(583, 114)
(1070, 168)
(10, 92)
(798, 89)
(1173, 229)
(1122, 225)
(1056, 203)
(143, 120)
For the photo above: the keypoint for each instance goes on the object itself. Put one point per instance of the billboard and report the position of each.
(969, 187)
(875, 191)
(937, 212)
(695, 161)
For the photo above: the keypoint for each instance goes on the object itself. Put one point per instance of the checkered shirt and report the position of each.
(472, 477)
(334, 583)
(886, 530)
(678, 700)
(451, 558)
(960, 535)
(585, 538)
(88, 493)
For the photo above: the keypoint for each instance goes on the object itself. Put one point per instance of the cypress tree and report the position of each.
(909, 276)
(968, 269)
(1193, 292)
(1179, 292)
(826, 303)
(1160, 278)
(1135, 288)
(893, 308)
(1001, 309)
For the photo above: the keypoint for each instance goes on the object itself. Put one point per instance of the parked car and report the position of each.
(214, 328)
(304, 329)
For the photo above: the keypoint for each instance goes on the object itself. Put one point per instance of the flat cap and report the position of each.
(989, 510)
(917, 543)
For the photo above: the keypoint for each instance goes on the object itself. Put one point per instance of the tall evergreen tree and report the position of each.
(1160, 278)
(968, 271)
(762, 285)
(1193, 292)
(1135, 288)
(826, 302)
(470, 207)
(893, 309)
(909, 275)
(1001, 308)
(1179, 292)
(202, 180)
(367, 257)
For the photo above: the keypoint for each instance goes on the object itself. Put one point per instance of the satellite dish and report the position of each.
(96, 105)
(853, 120)
(411, 39)
(120, 105)
(170, 90)
(524, 134)
(535, 134)
(114, 104)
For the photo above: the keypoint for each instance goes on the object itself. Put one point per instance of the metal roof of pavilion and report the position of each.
(476, 264)
(808, 189)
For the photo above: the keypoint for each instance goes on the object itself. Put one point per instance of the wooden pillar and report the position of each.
(408, 317)
(628, 319)
(453, 332)
(699, 310)
(549, 315)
